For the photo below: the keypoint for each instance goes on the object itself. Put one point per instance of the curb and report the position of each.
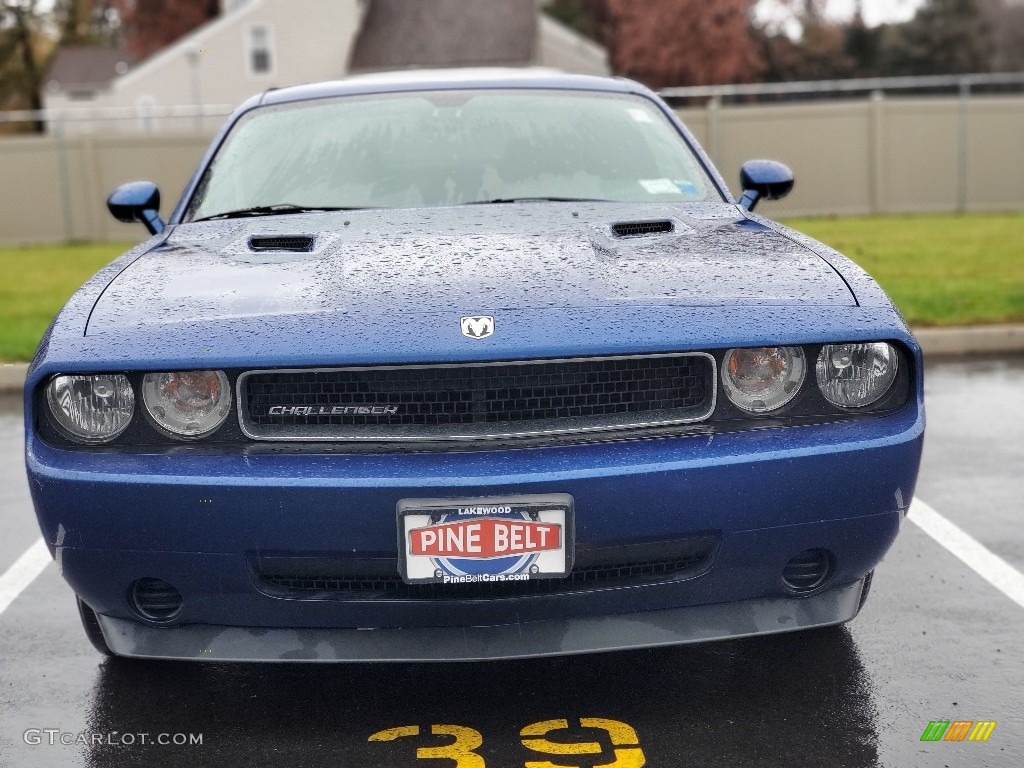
(968, 341)
(971, 340)
(12, 377)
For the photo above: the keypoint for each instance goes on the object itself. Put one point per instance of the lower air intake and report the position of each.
(155, 599)
(808, 570)
(596, 568)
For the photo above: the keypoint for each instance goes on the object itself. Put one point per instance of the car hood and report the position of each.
(469, 259)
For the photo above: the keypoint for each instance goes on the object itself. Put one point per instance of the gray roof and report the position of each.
(87, 67)
(399, 34)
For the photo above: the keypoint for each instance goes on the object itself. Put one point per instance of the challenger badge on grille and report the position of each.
(332, 410)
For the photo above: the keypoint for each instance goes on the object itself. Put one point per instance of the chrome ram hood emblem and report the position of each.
(479, 327)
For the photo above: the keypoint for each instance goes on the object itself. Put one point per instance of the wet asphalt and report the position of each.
(934, 642)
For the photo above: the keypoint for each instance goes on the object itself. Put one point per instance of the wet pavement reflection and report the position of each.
(685, 705)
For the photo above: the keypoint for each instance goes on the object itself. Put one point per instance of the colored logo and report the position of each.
(503, 543)
(958, 730)
(485, 538)
(479, 327)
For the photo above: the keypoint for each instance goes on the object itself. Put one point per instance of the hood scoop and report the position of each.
(641, 228)
(281, 243)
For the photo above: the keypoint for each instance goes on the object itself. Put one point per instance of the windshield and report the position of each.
(451, 148)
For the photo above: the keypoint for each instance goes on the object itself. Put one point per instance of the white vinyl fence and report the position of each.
(856, 147)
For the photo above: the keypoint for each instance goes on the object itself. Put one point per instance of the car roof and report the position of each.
(446, 79)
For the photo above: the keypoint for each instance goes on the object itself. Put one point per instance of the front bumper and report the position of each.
(551, 637)
(195, 519)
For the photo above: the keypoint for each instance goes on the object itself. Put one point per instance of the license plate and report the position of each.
(489, 540)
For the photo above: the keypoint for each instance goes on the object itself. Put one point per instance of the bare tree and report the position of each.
(22, 56)
(945, 37)
(821, 51)
(84, 22)
(1006, 20)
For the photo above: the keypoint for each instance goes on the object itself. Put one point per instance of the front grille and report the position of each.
(478, 400)
(339, 578)
(638, 228)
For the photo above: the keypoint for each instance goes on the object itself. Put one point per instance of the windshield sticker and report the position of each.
(688, 188)
(640, 115)
(659, 186)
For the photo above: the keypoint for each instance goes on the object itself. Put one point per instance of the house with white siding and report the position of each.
(254, 45)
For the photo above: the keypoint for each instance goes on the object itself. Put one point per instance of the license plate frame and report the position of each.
(533, 518)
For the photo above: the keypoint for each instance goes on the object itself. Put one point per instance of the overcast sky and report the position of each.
(875, 11)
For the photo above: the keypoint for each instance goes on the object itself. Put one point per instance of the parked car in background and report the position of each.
(467, 365)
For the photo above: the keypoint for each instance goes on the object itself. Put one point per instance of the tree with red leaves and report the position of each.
(149, 25)
(671, 42)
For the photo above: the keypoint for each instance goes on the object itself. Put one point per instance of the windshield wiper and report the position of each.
(538, 200)
(274, 210)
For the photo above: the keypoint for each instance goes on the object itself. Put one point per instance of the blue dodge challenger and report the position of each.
(467, 365)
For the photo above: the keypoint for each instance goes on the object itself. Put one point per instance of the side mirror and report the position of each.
(137, 201)
(764, 178)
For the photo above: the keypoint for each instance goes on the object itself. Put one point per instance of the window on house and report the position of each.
(259, 51)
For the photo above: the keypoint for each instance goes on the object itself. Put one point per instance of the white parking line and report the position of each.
(975, 555)
(24, 571)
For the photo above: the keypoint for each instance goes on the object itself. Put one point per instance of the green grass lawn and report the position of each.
(940, 270)
(37, 280)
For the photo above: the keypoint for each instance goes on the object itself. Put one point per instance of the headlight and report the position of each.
(762, 379)
(91, 409)
(855, 375)
(187, 404)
